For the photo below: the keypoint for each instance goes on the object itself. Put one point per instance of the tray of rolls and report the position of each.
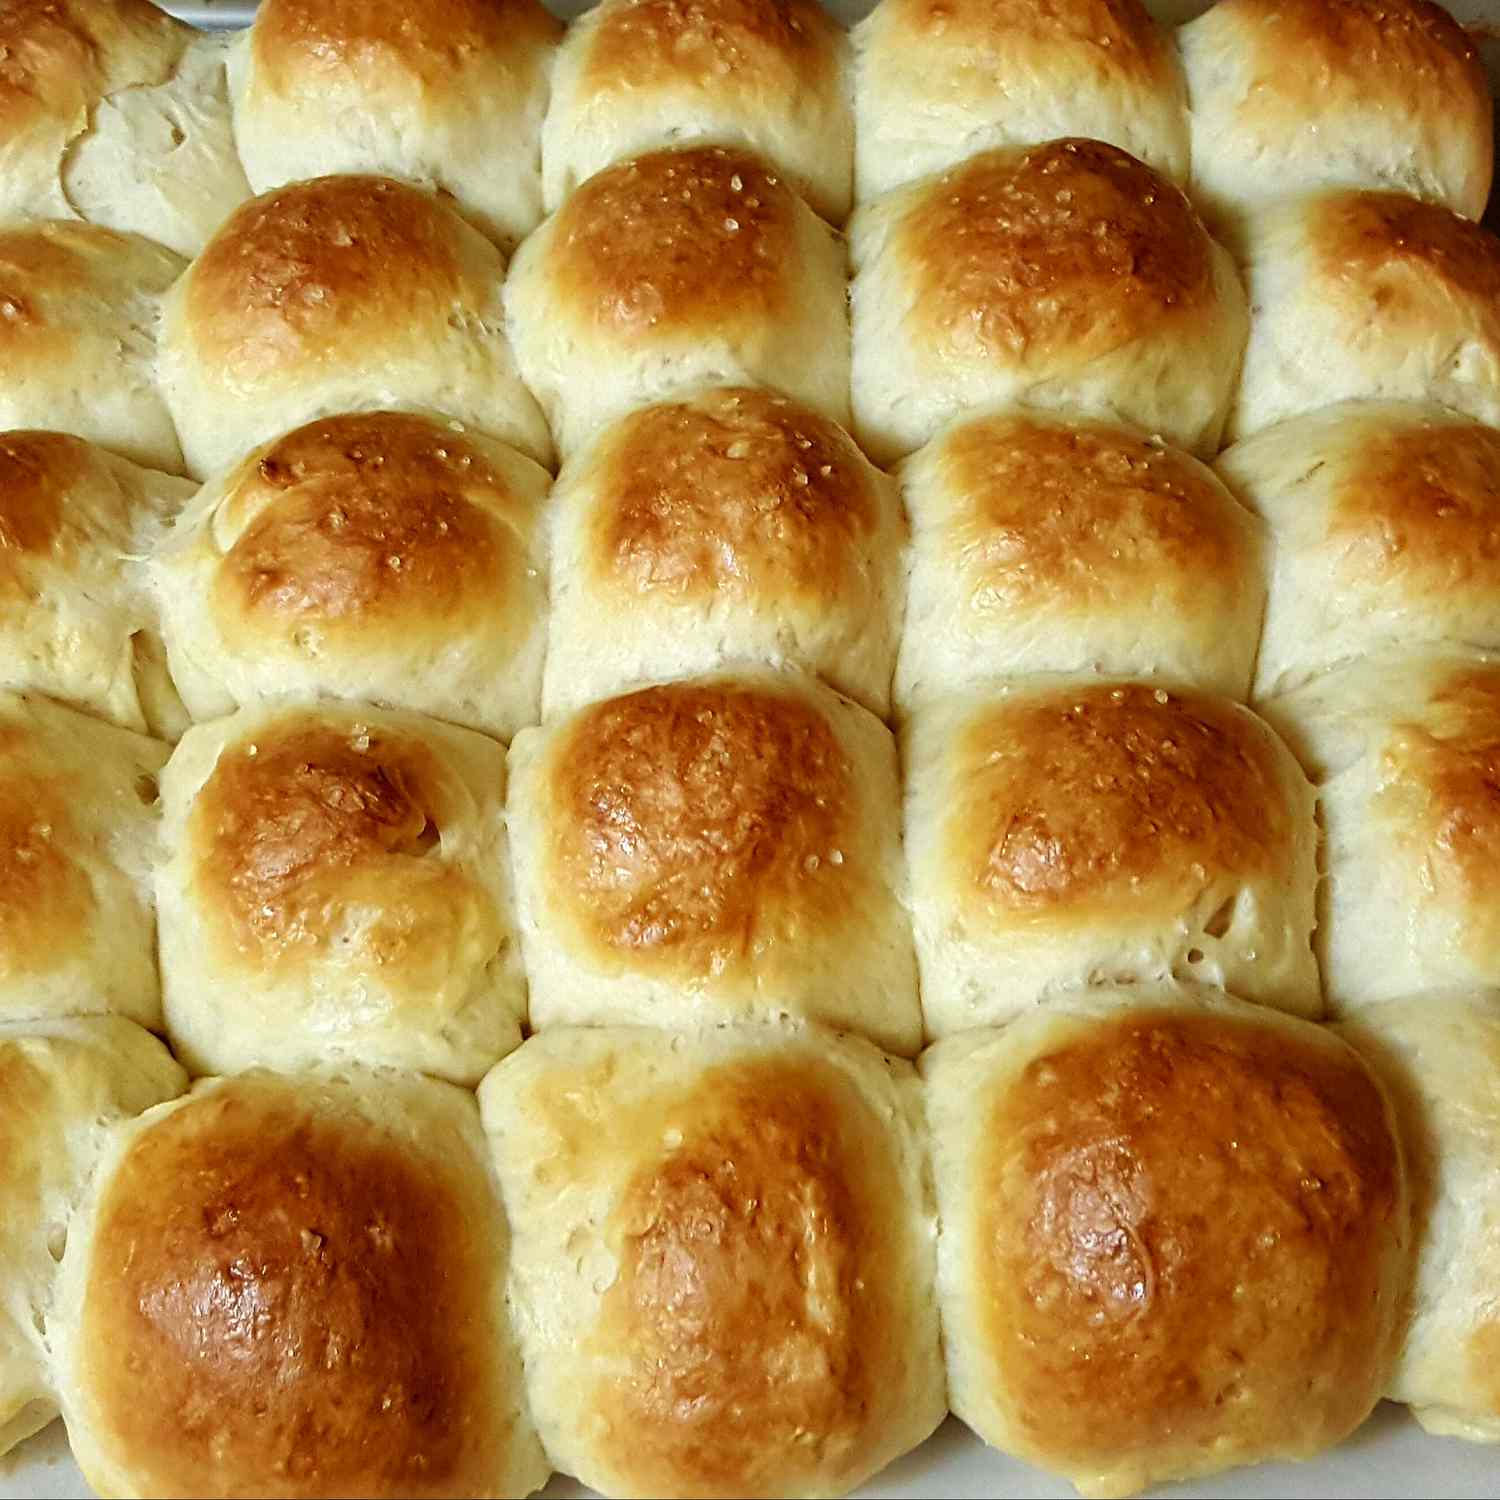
(748, 750)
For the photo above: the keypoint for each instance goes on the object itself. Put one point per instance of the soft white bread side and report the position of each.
(1367, 295)
(1175, 1235)
(1439, 1057)
(723, 1256)
(390, 556)
(312, 1267)
(936, 81)
(1385, 531)
(78, 832)
(1405, 749)
(337, 887)
(1054, 543)
(340, 294)
(680, 268)
(448, 95)
(62, 1084)
(1291, 95)
(1064, 831)
(725, 848)
(1062, 275)
(79, 309)
(733, 525)
(770, 76)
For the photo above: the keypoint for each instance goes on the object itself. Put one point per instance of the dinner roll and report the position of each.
(718, 849)
(1064, 275)
(723, 1256)
(62, 1083)
(732, 525)
(449, 96)
(1439, 1056)
(678, 269)
(341, 293)
(112, 111)
(383, 555)
(1067, 831)
(312, 1269)
(768, 75)
(1385, 525)
(1406, 749)
(337, 888)
(1290, 95)
(78, 829)
(1175, 1235)
(1058, 544)
(74, 623)
(78, 313)
(1367, 294)
(939, 80)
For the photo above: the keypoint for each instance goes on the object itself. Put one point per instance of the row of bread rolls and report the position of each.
(1163, 1233)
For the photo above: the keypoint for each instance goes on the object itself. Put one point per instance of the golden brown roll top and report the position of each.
(674, 269)
(720, 848)
(939, 80)
(78, 313)
(1060, 544)
(1063, 831)
(448, 96)
(76, 622)
(78, 827)
(391, 556)
(1439, 1056)
(722, 1259)
(1406, 751)
(311, 1267)
(1175, 1235)
(766, 75)
(1290, 95)
(1385, 528)
(62, 1083)
(1368, 295)
(336, 887)
(733, 525)
(340, 293)
(1065, 274)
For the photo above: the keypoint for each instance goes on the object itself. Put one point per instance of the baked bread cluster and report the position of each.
(716, 735)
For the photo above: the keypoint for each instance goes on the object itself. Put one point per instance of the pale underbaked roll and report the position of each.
(767, 75)
(1439, 1057)
(677, 269)
(312, 1268)
(1067, 831)
(78, 829)
(1175, 1235)
(1291, 95)
(390, 556)
(1367, 295)
(76, 621)
(62, 1083)
(112, 111)
(1385, 531)
(343, 293)
(936, 81)
(1062, 275)
(1045, 543)
(733, 525)
(723, 1256)
(337, 888)
(449, 96)
(724, 848)
(1406, 751)
(79, 307)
